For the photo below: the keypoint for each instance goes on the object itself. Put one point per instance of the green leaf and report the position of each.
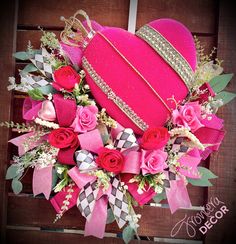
(219, 82)
(54, 178)
(159, 197)
(128, 234)
(110, 216)
(47, 89)
(61, 185)
(36, 94)
(16, 186)
(12, 172)
(30, 68)
(21, 55)
(225, 96)
(199, 182)
(206, 174)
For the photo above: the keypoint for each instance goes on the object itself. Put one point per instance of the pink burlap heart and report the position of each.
(47, 111)
(129, 78)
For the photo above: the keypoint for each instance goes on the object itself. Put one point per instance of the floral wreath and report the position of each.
(82, 157)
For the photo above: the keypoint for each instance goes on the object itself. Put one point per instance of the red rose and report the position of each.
(65, 78)
(63, 138)
(155, 138)
(111, 160)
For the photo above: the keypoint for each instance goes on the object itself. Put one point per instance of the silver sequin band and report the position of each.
(164, 48)
(112, 96)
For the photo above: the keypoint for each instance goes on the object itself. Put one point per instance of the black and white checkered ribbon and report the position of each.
(87, 199)
(31, 82)
(125, 140)
(178, 146)
(88, 194)
(42, 62)
(169, 177)
(118, 203)
(85, 160)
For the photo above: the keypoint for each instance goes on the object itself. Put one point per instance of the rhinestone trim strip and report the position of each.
(112, 96)
(164, 48)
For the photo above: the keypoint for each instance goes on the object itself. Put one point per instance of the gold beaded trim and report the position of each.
(112, 96)
(164, 48)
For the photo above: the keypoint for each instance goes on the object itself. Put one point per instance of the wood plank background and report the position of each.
(25, 219)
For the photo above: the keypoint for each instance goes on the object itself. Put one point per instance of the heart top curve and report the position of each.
(131, 80)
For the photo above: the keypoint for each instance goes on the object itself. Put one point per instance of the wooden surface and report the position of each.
(29, 220)
(7, 47)
(223, 163)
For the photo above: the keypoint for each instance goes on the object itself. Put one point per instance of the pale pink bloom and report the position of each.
(153, 162)
(86, 118)
(188, 116)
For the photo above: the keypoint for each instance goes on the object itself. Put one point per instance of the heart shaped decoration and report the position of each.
(135, 76)
(47, 111)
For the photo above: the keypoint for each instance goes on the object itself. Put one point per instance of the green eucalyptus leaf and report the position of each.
(225, 96)
(110, 216)
(12, 172)
(21, 55)
(199, 182)
(16, 186)
(159, 197)
(47, 89)
(206, 174)
(30, 68)
(219, 82)
(36, 94)
(54, 178)
(128, 234)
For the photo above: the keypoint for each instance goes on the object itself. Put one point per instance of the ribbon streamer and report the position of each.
(42, 181)
(92, 199)
(177, 195)
(20, 140)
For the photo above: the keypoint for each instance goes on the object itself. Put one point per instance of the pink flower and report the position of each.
(153, 162)
(86, 118)
(188, 116)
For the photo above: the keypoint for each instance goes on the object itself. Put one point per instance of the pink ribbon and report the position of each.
(190, 160)
(31, 108)
(211, 133)
(117, 130)
(177, 195)
(20, 140)
(143, 198)
(96, 224)
(91, 141)
(74, 53)
(65, 110)
(42, 181)
(65, 118)
(132, 163)
(57, 200)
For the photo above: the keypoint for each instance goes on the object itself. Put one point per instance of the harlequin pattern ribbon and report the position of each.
(92, 199)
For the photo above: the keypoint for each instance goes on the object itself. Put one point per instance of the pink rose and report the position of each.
(86, 118)
(153, 162)
(189, 116)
